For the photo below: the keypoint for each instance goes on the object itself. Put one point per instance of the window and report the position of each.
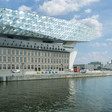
(62, 55)
(13, 66)
(50, 54)
(17, 66)
(9, 59)
(32, 60)
(32, 53)
(54, 54)
(0, 66)
(0, 58)
(39, 53)
(39, 60)
(35, 60)
(57, 67)
(0, 51)
(65, 55)
(21, 52)
(65, 61)
(60, 61)
(48, 60)
(57, 60)
(25, 52)
(48, 66)
(45, 54)
(45, 67)
(45, 60)
(4, 58)
(24, 59)
(42, 60)
(51, 67)
(4, 66)
(21, 59)
(28, 53)
(24, 66)
(9, 66)
(4, 51)
(13, 59)
(59, 54)
(42, 67)
(13, 51)
(35, 53)
(17, 52)
(32, 66)
(28, 66)
(9, 51)
(28, 59)
(17, 59)
(54, 60)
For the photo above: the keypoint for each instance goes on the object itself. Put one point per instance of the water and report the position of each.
(59, 95)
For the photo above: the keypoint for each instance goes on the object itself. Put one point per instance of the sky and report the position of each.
(97, 14)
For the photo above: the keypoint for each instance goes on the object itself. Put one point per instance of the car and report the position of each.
(16, 71)
(83, 70)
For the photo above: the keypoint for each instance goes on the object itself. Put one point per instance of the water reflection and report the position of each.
(44, 95)
(59, 95)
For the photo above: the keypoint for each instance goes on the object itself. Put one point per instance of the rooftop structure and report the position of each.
(20, 23)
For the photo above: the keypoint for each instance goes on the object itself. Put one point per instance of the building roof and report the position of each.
(13, 22)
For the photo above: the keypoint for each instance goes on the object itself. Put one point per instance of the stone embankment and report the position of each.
(19, 76)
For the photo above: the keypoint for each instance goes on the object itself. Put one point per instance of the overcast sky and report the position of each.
(94, 13)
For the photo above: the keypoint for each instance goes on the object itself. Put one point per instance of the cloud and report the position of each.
(88, 11)
(61, 7)
(97, 44)
(97, 56)
(109, 39)
(92, 22)
(24, 8)
(91, 57)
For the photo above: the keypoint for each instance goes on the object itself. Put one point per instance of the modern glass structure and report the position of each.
(38, 42)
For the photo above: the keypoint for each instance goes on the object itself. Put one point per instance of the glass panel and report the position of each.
(47, 26)
(4, 66)
(0, 66)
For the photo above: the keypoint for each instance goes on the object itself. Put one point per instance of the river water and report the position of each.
(57, 95)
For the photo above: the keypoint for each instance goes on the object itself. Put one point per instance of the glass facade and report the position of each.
(32, 25)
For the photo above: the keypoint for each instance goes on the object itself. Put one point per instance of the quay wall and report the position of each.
(50, 76)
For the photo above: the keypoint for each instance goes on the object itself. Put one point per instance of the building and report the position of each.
(94, 65)
(80, 66)
(108, 66)
(91, 66)
(38, 43)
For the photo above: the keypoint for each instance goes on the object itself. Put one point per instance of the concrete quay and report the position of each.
(19, 76)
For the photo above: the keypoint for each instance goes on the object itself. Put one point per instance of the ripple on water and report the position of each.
(59, 95)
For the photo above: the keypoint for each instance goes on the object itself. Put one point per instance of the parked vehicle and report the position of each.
(16, 71)
(83, 70)
(76, 69)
